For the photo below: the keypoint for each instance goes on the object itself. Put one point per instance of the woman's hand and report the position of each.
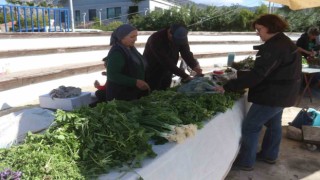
(311, 53)
(142, 85)
(187, 79)
(198, 70)
(219, 89)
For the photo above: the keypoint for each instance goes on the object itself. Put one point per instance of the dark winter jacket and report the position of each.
(163, 55)
(305, 43)
(122, 74)
(276, 77)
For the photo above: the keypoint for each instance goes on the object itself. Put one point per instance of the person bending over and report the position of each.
(162, 52)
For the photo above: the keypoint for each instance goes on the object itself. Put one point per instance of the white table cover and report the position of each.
(15, 126)
(207, 155)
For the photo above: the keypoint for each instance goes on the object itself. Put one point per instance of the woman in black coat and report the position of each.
(274, 83)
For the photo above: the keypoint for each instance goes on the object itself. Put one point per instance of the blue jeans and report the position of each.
(258, 116)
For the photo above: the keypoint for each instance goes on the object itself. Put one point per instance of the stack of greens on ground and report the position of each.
(90, 141)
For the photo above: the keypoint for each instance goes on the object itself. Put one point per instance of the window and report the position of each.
(133, 10)
(158, 9)
(92, 14)
(114, 12)
(63, 16)
(77, 14)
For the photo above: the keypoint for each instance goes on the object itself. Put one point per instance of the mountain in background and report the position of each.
(200, 5)
(185, 2)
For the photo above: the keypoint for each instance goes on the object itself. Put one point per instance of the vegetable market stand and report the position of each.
(308, 74)
(207, 155)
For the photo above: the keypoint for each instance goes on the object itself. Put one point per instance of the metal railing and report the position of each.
(34, 19)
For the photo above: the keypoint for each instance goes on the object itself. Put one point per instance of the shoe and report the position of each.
(259, 157)
(236, 167)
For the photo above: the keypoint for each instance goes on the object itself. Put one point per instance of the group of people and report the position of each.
(273, 83)
(132, 75)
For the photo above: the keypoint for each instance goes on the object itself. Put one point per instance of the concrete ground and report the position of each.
(295, 161)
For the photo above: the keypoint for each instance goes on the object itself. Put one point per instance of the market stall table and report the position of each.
(207, 155)
(308, 74)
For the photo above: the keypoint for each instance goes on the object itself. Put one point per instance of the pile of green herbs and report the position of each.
(90, 141)
(304, 61)
(244, 65)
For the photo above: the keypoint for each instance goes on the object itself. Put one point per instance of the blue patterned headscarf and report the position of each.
(121, 32)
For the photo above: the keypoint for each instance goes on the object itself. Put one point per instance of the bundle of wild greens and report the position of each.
(157, 115)
(90, 141)
(108, 138)
(189, 108)
(52, 155)
(245, 64)
(83, 143)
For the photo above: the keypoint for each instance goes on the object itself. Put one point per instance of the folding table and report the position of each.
(308, 74)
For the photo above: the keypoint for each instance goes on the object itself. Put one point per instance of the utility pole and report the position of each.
(84, 20)
(71, 12)
(100, 15)
(269, 8)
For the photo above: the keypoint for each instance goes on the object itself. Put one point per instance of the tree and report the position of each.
(14, 2)
(300, 20)
(42, 3)
(243, 20)
(263, 9)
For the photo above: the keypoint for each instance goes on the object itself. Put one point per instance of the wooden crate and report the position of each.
(311, 134)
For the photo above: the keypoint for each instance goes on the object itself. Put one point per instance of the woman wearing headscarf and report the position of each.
(126, 66)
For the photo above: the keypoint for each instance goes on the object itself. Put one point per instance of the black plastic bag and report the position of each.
(302, 118)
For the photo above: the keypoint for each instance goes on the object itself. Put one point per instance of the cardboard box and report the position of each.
(66, 104)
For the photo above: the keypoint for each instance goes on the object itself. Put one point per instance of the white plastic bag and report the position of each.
(226, 76)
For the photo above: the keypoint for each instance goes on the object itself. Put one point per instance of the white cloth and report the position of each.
(207, 155)
(15, 126)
